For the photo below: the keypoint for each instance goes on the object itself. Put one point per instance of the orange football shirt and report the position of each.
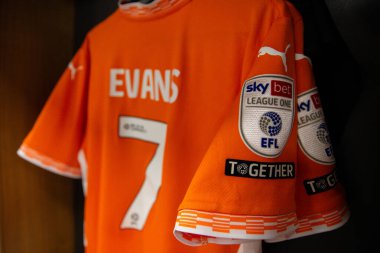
(186, 114)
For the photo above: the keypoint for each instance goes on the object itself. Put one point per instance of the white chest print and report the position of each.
(153, 84)
(273, 52)
(74, 70)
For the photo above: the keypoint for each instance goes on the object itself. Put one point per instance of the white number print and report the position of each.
(150, 131)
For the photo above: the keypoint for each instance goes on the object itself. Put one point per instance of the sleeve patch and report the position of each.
(259, 170)
(313, 134)
(266, 114)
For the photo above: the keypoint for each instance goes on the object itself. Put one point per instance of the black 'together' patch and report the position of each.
(321, 184)
(259, 170)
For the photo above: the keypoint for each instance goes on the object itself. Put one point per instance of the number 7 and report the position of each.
(150, 131)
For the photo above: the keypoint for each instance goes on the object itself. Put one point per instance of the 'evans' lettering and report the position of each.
(157, 85)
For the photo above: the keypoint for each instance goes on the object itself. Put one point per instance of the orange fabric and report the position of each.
(314, 171)
(270, 197)
(182, 69)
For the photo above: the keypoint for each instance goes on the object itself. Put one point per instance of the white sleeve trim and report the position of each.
(196, 228)
(318, 223)
(48, 163)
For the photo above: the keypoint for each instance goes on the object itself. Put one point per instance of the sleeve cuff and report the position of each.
(198, 227)
(48, 163)
(317, 223)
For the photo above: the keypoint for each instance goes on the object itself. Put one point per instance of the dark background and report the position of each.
(341, 37)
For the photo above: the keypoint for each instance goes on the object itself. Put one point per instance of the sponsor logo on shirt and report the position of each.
(259, 170)
(273, 52)
(321, 184)
(266, 113)
(74, 70)
(313, 134)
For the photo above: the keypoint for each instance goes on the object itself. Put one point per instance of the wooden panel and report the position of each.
(36, 207)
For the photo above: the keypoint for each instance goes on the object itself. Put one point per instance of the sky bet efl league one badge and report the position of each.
(313, 135)
(266, 113)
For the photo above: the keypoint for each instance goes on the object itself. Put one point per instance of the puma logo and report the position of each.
(301, 57)
(74, 70)
(274, 52)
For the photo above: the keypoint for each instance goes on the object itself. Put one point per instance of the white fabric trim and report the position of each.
(83, 166)
(40, 164)
(251, 247)
(199, 227)
(126, 5)
(316, 230)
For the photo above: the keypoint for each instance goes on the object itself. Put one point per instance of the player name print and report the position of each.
(266, 113)
(157, 85)
(313, 134)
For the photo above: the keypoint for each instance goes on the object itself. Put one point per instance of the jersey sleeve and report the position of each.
(244, 188)
(56, 137)
(320, 198)
(269, 172)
